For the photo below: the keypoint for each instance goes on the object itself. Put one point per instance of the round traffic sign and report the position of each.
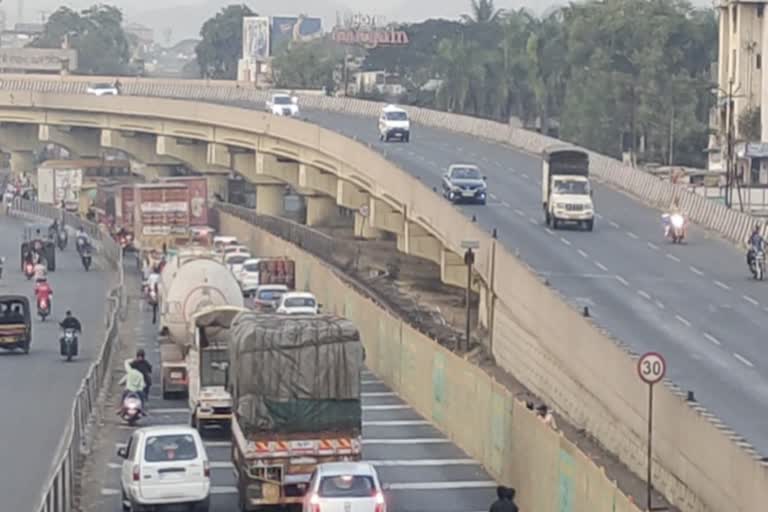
(652, 367)
(364, 210)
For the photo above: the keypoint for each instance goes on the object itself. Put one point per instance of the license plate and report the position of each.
(177, 375)
(171, 476)
(302, 445)
(468, 193)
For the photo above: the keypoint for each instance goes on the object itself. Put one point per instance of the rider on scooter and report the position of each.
(43, 291)
(674, 209)
(134, 383)
(756, 243)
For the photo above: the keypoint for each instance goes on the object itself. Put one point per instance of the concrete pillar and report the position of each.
(363, 228)
(269, 199)
(218, 184)
(22, 162)
(320, 210)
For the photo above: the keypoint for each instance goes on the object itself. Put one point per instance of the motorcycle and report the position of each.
(86, 259)
(132, 408)
(677, 228)
(43, 308)
(29, 270)
(62, 239)
(758, 266)
(68, 344)
(82, 243)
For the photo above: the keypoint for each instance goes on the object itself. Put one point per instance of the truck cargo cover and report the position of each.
(295, 373)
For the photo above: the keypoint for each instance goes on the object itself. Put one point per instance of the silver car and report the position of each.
(463, 183)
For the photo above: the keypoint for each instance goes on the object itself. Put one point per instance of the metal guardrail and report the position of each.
(61, 486)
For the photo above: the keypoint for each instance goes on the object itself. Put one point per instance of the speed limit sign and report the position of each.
(652, 367)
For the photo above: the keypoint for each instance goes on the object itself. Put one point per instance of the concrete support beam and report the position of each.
(80, 142)
(416, 241)
(321, 210)
(244, 163)
(19, 137)
(218, 155)
(218, 184)
(192, 153)
(270, 199)
(363, 228)
(350, 195)
(140, 146)
(312, 178)
(453, 270)
(270, 166)
(386, 218)
(23, 162)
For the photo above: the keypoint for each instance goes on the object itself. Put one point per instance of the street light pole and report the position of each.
(469, 260)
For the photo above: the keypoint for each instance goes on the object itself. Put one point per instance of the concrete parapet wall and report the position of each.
(478, 414)
(536, 336)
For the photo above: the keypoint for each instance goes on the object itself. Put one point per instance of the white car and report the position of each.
(394, 123)
(267, 296)
(165, 465)
(249, 275)
(102, 90)
(298, 303)
(234, 261)
(283, 105)
(220, 242)
(233, 249)
(344, 486)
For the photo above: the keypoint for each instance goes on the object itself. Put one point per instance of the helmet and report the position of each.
(140, 353)
(68, 313)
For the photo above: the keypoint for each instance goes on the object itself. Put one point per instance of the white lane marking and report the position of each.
(696, 271)
(613, 224)
(743, 359)
(673, 257)
(506, 204)
(424, 462)
(429, 486)
(644, 294)
(565, 241)
(532, 220)
(583, 253)
(378, 394)
(525, 176)
(389, 407)
(712, 339)
(549, 231)
(750, 300)
(653, 246)
(493, 196)
(722, 285)
(394, 423)
(659, 304)
(520, 213)
(622, 280)
(601, 266)
(409, 440)
(632, 235)
(683, 320)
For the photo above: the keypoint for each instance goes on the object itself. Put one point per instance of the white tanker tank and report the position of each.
(196, 283)
(173, 264)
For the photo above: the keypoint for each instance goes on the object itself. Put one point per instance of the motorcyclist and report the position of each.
(674, 209)
(70, 322)
(41, 271)
(133, 380)
(755, 243)
(43, 291)
(145, 368)
(53, 229)
(82, 239)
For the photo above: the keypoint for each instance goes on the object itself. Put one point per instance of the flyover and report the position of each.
(529, 323)
(37, 389)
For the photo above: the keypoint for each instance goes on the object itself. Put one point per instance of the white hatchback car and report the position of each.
(165, 465)
(102, 90)
(298, 303)
(235, 260)
(344, 487)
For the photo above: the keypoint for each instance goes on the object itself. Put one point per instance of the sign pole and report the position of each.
(651, 367)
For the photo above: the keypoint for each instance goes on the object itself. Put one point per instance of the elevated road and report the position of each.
(37, 390)
(694, 303)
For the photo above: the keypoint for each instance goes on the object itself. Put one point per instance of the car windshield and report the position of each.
(251, 267)
(12, 312)
(300, 302)
(170, 447)
(282, 100)
(102, 86)
(237, 259)
(347, 486)
(397, 116)
(270, 294)
(465, 173)
(571, 187)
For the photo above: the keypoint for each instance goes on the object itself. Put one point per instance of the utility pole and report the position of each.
(730, 140)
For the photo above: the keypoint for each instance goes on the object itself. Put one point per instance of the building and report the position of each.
(743, 40)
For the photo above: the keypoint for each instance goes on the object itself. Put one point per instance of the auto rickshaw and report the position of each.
(36, 239)
(15, 323)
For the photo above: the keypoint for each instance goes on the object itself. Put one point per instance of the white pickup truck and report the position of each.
(282, 104)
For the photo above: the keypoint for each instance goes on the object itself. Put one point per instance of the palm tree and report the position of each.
(483, 11)
(461, 65)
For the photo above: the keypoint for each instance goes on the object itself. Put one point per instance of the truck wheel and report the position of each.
(547, 218)
(590, 224)
(555, 223)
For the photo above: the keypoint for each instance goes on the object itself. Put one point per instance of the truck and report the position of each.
(566, 190)
(161, 215)
(191, 281)
(295, 384)
(207, 362)
(60, 181)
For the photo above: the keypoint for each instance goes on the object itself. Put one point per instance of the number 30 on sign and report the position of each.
(652, 368)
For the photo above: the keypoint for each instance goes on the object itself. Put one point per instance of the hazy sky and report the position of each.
(186, 22)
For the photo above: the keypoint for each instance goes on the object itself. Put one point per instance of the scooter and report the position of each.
(43, 308)
(62, 239)
(677, 228)
(29, 270)
(132, 408)
(68, 344)
(86, 259)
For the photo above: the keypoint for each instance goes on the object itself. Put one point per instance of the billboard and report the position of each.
(286, 29)
(370, 38)
(256, 38)
(38, 59)
(198, 198)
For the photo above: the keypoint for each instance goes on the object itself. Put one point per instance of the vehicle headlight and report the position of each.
(677, 221)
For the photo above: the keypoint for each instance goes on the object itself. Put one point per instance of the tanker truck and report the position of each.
(191, 281)
(295, 384)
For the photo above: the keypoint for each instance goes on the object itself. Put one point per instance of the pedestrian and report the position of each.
(503, 503)
(510, 497)
(546, 416)
(145, 368)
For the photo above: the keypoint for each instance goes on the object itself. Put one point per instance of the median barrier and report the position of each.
(465, 403)
(523, 308)
(606, 169)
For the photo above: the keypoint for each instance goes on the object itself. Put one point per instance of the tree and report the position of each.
(221, 46)
(483, 12)
(307, 65)
(749, 124)
(97, 35)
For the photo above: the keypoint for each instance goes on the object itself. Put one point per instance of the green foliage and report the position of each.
(612, 72)
(97, 35)
(221, 45)
(307, 65)
(749, 124)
